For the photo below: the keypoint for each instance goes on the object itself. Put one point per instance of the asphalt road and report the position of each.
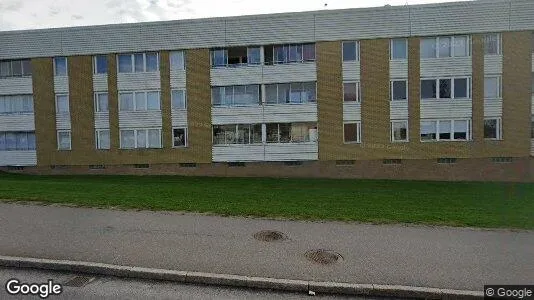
(378, 254)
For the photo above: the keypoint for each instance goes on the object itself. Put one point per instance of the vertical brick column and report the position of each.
(478, 90)
(414, 93)
(113, 104)
(165, 93)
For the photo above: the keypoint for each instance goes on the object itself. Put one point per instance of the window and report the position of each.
(399, 90)
(179, 137)
(237, 95)
(428, 48)
(532, 129)
(178, 99)
(17, 141)
(62, 103)
(138, 62)
(282, 54)
(492, 87)
(177, 60)
(351, 92)
(237, 134)
(399, 49)
(60, 66)
(295, 92)
(102, 139)
(492, 129)
(139, 101)
(101, 102)
(15, 68)
(14, 104)
(492, 44)
(100, 64)
(351, 51)
(446, 130)
(291, 132)
(399, 131)
(352, 132)
(446, 88)
(253, 55)
(445, 46)
(63, 140)
(140, 138)
(219, 58)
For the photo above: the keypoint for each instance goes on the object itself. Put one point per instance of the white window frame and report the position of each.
(97, 103)
(182, 60)
(358, 91)
(70, 140)
(499, 86)
(263, 92)
(469, 89)
(356, 44)
(95, 64)
(499, 128)
(186, 137)
(98, 140)
(135, 130)
(358, 132)
(499, 43)
(66, 66)
(145, 92)
(451, 45)
(185, 98)
(393, 132)
(132, 58)
(68, 103)
(391, 89)
(391, 49)
(233, 95)
(21, 61)
(469, 134)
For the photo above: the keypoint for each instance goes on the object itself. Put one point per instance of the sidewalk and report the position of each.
(463, 259)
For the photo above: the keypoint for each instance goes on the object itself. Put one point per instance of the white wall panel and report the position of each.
(139, 119)
(16, 85)
(15, 122)
(296, 72)
(521, 15)
(101, 120)
(446, 66)
(138, 81)
(492, 107)
(224, 153)
(285, 113)
(18, 158)
(63, 121)
(352, 112)
(61, 84)
(100, 82)
(351, 70)
(398, 69)
(446, 109)
(178, 79)
(237, 76)
(398, 110)
(291, 151)
(237, 115)
(492, 64)
(179, 117)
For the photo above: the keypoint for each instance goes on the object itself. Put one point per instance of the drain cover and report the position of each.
(79, 281)
(323, 257)
(270, 236)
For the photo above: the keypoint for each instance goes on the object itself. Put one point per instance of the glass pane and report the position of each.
(399, 131)
(139, 62)
(308, 52)
(444, 47)
(62, 103)
(460, 130)
(349, 51)
(243, 134)
(253, 55)
(428, 48)
(26, 67)
(3, 146)
(5, 69)
(16, 67)
(64, 140)
(460, 88)
(27, 105)
(256, 134)
(11, 141)
(154, 140)
(428, 89)
(101, 64)
(103, 102)
(104, 139)
(218, 58)
(272, 133)
(22, 141)
(300, 132)
(217, 94)
(350, 132)
(491, 44)
(228, 95)
(296, 91)
(141, 139)
(152, 100)
(151, 62)
(252, 94)
(179, 139)
(490, 129)
(309, 93)
(125, 63)
(61, 66)
(428, 130)
(399, 90)
(349, 92)
(126, 101)
(283, 93)
(127, 139)
(460, 46)
(178, 99)
(281, 54)
(285, 132)
(295, 53)
(491, 87)
(445, 88)
(31, 140)
(177, 60)
(140, 101)
(398, 49)
(271, 94)
(240, 95)
(444, 130)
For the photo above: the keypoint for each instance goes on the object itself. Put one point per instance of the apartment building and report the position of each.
(437, 91)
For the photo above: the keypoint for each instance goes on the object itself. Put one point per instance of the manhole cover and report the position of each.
(323, 257)
(270, 236)
(78, 281)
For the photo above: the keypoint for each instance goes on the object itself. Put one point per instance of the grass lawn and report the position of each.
(508, 205)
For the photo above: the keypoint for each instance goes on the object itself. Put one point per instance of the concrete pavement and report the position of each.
(454, 258)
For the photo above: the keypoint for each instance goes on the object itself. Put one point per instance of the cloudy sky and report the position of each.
(31, 14)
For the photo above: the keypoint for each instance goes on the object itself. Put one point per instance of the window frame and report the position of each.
(95, 64)
(58, 140)
(186, 144)
(357, 51)
(407, 139)
(132, 61)
(287, 53)
(66, 65)
(469, 129)
(57, 106)
(499, 131)
(358, 91)
(97, 103)
(182, 60)
(23, 69)
(183, 90)
(391, 49)
(499, 86)
(453, 92)
(392, 98)
(99, 140)
(358, 132)
(134, 93)
(499, 43)
(136, 130)
(29, 147)
(232, 104)
(4, 99)
(236, 134)
(451, 46)
(290, 85)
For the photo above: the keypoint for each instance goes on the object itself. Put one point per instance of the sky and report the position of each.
(35, 14)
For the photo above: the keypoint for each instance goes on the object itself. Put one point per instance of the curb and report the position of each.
(290, 285)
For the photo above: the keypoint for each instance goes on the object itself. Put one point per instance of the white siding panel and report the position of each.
(236, 76)
(492, 107)
(139, 119)
(15, 122)
(179, 117)
(493, 64)
(352, 112)
(446, 109)
(296, 72)
(27, 44)
(447, 66)
(61, 84)
(285, 113)
(100, 82)
(63, 121)
(296, 151)
(398, 110)
(16, 85)
(178, 79)
(237, 115)
(138, 81)
(521, 15)
(351, 70)
(18, 158)
(398, 68)
(101, 120)
(224, 153)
